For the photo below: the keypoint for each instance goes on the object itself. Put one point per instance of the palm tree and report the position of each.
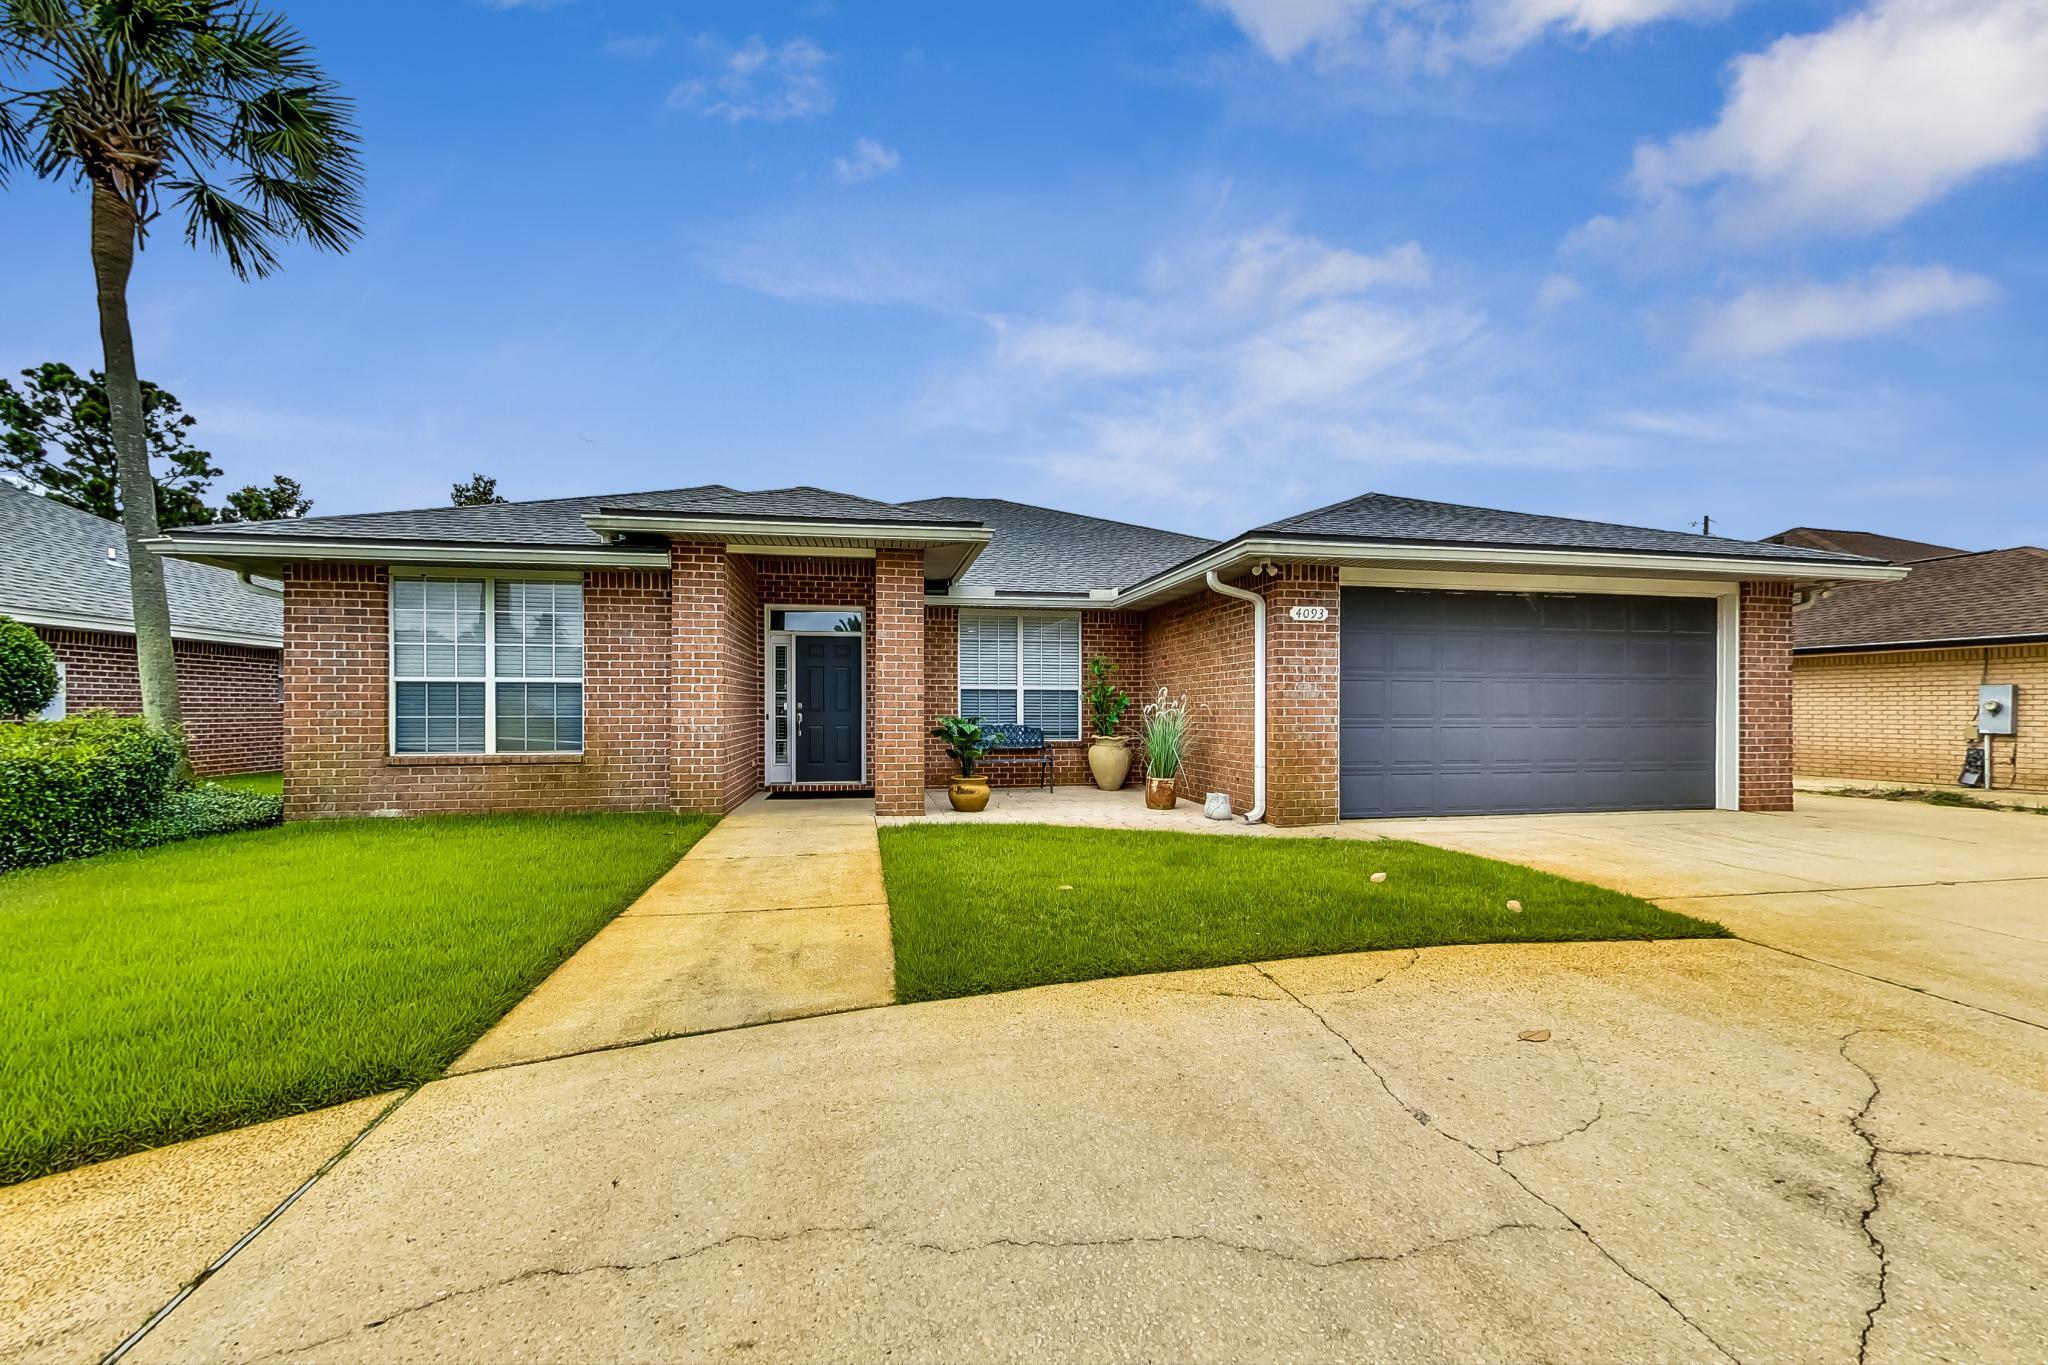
(214, 105)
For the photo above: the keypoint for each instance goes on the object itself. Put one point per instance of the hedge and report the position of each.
(73, 787)
(199, 811)
(28, 670)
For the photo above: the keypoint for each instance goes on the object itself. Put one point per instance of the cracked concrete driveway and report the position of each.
(1721, 1152)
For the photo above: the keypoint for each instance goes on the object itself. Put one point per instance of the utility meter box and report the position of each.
(1994, 709)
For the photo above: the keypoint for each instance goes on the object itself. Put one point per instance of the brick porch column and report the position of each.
(896, 638)
(1766, 696)
(697, 589)
(1301, 696)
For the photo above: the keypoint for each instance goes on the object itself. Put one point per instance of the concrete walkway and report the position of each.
(777, 913)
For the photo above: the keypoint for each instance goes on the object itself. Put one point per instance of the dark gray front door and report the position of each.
(1495, 703)
(828, 708)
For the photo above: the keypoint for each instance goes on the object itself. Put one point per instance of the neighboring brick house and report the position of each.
(688, 648)
(1885, 675)
(64, 572)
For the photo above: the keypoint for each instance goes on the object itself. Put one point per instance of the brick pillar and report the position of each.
(1301, 696)
(1766, 695)
(896, 640)
(698, 586)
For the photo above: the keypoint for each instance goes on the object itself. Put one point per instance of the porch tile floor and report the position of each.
(777, 913)
(1095, 809)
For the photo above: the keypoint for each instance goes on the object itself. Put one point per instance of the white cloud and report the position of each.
(867, 160)
(756, 81)
(1557, 291)
(1766, 321)
(634, 46)
(1857, 126)
(1437, 32)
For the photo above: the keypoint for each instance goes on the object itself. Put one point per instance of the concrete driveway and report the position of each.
(1717, 1151)
(1945, 900)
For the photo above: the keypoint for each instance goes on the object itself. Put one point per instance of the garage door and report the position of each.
(1495, 703)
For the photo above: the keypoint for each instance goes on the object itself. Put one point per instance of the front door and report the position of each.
(828, 733)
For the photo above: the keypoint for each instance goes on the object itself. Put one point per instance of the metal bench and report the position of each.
(1020, 742)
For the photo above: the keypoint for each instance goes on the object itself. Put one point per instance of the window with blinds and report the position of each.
(1022, 668)
(486, 666)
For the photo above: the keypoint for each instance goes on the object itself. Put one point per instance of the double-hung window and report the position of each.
(1022, 668)
(482, 666)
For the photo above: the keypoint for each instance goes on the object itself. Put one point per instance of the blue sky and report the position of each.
(1197, 264)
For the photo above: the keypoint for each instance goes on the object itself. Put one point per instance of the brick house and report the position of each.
(63, 572)
(1885, 675)
(686, 649)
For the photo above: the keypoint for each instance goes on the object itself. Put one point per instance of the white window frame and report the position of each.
(784, 774)
(490, 678)
(59, 702)
(1080, 666)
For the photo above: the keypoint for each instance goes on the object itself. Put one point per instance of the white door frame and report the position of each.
(784, 775)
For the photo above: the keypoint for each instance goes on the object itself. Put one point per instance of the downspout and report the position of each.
(1258, 810)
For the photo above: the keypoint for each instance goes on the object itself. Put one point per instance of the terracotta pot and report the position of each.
(1159, 793)
(1109, 761)
(968, 794)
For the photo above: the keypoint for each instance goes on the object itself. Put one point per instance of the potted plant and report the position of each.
(1166, 737)
(966, 742)
(1109, 755)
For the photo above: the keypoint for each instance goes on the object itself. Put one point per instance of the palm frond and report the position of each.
(227, 226)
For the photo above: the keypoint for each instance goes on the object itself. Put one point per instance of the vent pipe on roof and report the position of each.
(1258, 810)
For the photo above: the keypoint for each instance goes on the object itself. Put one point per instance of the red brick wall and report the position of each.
(1301, 696)
(697, 640)
(819, 581)
(1200, 646)
(1116, 635)
(741, 770)
(337, 725)
(1766, 696)
(896, 670)
(229, 693)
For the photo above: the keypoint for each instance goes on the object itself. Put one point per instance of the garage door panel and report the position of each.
(1470, 703)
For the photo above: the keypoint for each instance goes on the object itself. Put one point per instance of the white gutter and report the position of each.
(1258, 810)
(247, 579)
(122, 625)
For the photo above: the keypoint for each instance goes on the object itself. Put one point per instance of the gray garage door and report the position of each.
(1492, 703)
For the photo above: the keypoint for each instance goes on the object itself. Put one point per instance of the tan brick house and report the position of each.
(1885, 675)
(688, 648)
(62, 573)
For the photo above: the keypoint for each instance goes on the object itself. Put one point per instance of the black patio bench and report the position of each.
(1019, 743)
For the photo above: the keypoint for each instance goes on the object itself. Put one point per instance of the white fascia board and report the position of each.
(1018, 602)
(1483, 557)
(227, 552)
(111, 625)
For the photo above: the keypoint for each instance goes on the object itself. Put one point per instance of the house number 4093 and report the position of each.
(1308, 613)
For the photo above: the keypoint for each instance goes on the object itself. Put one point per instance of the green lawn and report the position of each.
(160, 994)
(263, 784)
(977, 909)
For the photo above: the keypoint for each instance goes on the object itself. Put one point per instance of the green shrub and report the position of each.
(28, 670)
(207, 809)
(73, 787)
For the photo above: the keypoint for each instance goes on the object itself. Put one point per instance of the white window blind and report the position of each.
(1022, 669)
(486, 666)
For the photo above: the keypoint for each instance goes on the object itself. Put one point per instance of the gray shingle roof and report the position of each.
(1039, 549)
(1997, 594)
(1383, 517)
(53, 561)
(559, 521)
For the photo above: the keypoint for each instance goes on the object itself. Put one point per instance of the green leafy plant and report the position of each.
(1106, 701)
(74, 787)
(1166, 735)
(965, 740)
(28, 671)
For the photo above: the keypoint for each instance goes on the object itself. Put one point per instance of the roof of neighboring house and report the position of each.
(1382, 517)
(54, 570)
(1040, 549)
(1963, 599)
(1897, 549)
